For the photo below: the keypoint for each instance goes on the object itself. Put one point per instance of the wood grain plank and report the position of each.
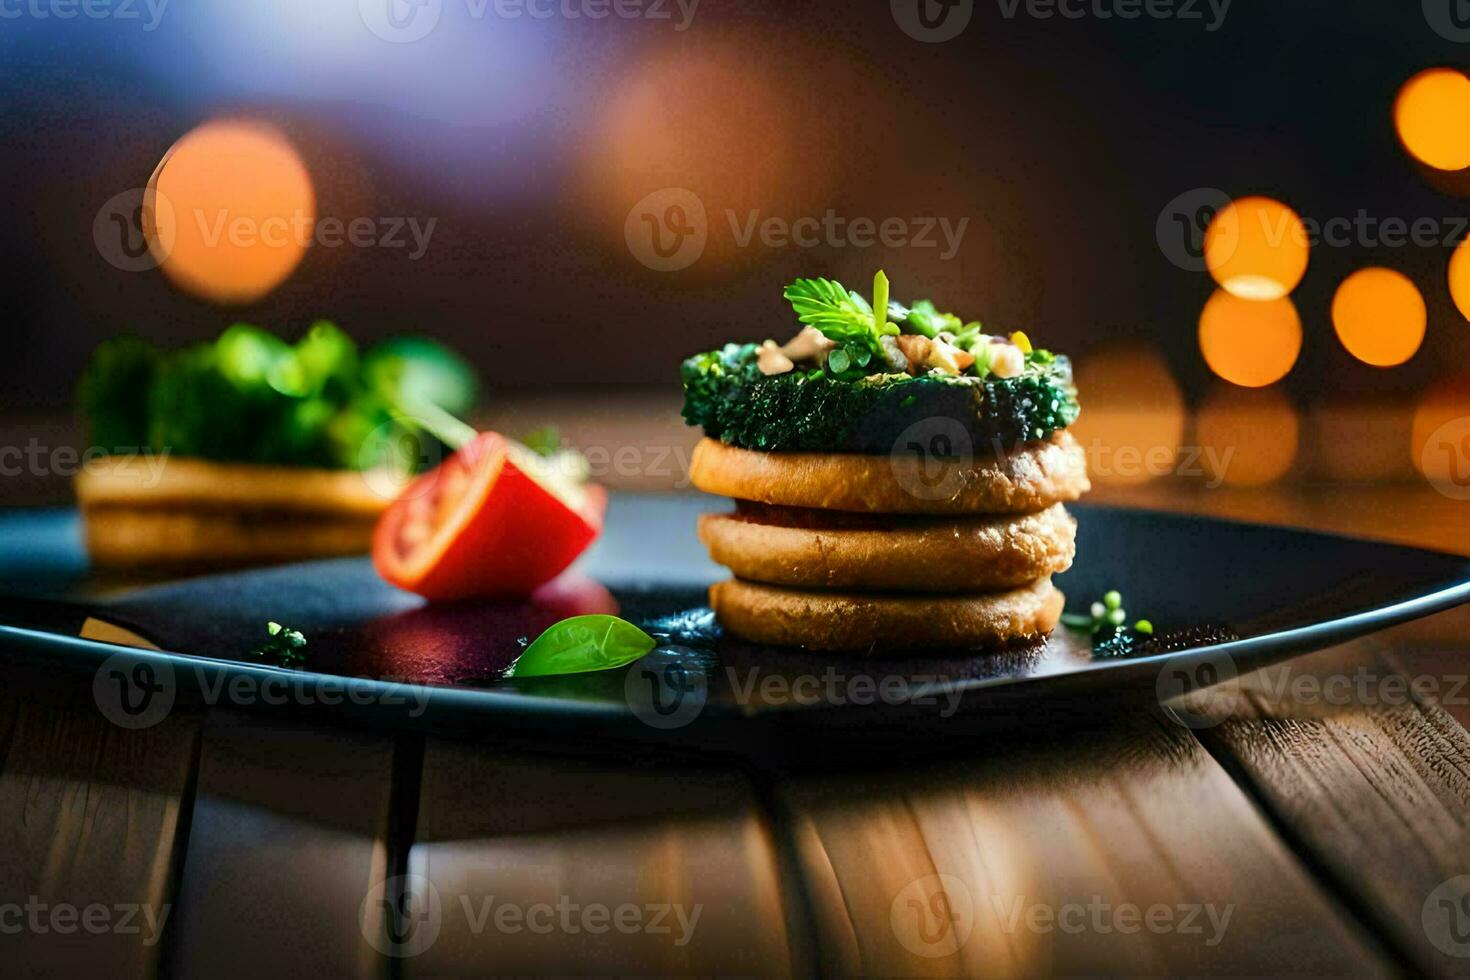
(90, 817)
(289, 831)
(1435, 652)
(1126, 850)
(581, 858)
(1349, 750)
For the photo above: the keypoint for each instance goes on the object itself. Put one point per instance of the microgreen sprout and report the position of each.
(1105, 614)
(284, 646)
(880, 300)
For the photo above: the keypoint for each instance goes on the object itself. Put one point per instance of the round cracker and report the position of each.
(170, 482)
(1028, 479)
(778, 616)
(956, 554)
(152, 538)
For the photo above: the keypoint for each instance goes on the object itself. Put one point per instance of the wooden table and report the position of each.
(1312, 820)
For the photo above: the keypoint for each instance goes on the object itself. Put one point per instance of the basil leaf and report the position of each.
(583, 644)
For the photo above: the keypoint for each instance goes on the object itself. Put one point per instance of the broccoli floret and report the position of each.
(113, 393)
(251, 397)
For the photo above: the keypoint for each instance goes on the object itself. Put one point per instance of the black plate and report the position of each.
(380, 654)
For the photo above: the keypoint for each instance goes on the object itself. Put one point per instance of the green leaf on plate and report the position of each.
(583, 644)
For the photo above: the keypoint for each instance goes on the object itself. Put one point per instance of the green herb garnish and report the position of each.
(815, 411)
(583, 644)
(844, 318)
(1106, 614)
(251, 397)
(285, 646)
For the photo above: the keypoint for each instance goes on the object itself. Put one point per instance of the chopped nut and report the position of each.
(1006, 360)
(807, 345)
(893, 355)
(915, 349)
(772, 361)
(951, 358)
(925, 353)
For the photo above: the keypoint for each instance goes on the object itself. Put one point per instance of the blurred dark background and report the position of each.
(527, 140)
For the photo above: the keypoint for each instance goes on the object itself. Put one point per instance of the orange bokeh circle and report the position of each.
(242, 208)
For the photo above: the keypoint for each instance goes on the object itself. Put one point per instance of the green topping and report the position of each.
(846, 319)
(583, 644)
(110, 393)
(880, 299)
(727, 396)
(285, 646)
(843, 317)
(251, 397)
(860, 400)
(924, 319)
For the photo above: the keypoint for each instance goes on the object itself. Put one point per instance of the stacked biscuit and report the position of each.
(842, 551)
(164, 513)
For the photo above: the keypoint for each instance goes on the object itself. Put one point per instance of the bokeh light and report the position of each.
(1133, 417)
(1247, 438)
(1432, 116)
(719, 122)
(243, 210)
(1459, 276)
(1379, 316)
(1248, 343)
(1257, 248)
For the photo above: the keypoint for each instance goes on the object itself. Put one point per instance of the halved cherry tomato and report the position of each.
(491, 521)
